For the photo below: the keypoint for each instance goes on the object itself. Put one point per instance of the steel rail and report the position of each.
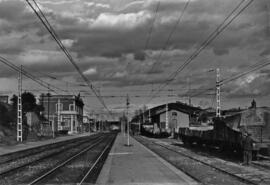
(42, 158)
(205, 163)
(35, 150)
(95, 163)
(65, 162)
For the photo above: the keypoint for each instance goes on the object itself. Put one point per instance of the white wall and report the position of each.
(182, 119)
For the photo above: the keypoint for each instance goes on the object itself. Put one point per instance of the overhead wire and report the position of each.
(150, 31)
(53, 33)
(151, 27)
(29, 75)
(170, 36)
(224, 81)
(50, 76)
(225, 23)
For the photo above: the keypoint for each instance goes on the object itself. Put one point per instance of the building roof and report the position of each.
(77, 98)
(178, 106)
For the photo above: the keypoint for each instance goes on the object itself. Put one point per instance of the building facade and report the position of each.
(173, 120)
(64, 112)
(167, 117)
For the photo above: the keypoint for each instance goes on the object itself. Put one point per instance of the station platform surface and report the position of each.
(5, 149)
(137, 165)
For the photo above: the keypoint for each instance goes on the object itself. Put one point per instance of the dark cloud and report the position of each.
(220, 51)
(259, 87)
(265, 52)
(140, 56)
(123, 32)
(11, 50)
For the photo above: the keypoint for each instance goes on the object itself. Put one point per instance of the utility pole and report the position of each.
(140, 120)
(218, 93)
(123, 124)
(58, 115)
(91, 118)
(19, 108)
(167, 117)
(127, 121)
(101, 124)
(95, 122)
(149, 115)
(189, 98)
(48, 107)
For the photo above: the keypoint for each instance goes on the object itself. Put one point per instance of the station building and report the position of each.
(167, 117)
(64, 112)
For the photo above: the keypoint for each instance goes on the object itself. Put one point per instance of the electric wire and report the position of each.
(51, 30)
(167, 42)
(28, 75)
(253, 67)
(229, 19)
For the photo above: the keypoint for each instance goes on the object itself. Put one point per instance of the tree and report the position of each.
(14, 101)
(4, 115)
(28, 102)
(38, 109)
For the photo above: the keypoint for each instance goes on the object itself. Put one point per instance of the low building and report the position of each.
(38, 125)
(64, 112)
(168, 117)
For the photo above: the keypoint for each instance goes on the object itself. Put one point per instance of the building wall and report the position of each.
(70, 110)
(176, 119)
(32, 119)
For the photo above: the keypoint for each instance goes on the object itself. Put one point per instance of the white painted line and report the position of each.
(121, 153)
(181, 174)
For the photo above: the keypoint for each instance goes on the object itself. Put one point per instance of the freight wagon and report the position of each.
(228, 132)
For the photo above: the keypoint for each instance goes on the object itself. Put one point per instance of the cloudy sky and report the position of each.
(120, 45)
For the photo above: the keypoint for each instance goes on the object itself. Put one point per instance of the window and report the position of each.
(174, 113)
(59, 107)
(71, 107)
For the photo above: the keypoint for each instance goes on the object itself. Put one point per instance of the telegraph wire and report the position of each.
(211, 37)
(55, 78)
(222, 82)
(256, 67)
(150, 31)
(51, 30)
(151, 27)
(28, 75)
(170, 36)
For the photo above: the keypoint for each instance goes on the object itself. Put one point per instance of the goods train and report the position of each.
(229, 131)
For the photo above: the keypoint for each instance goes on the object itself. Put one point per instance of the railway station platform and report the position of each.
(4, 149)
(137, 165)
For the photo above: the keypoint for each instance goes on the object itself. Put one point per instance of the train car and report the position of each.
(228, 132)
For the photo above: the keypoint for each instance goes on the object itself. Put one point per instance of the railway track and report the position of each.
(29, 171)
(6, 158)
(261, 165)
(192, 161)
(59, 173)
(13, 163)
